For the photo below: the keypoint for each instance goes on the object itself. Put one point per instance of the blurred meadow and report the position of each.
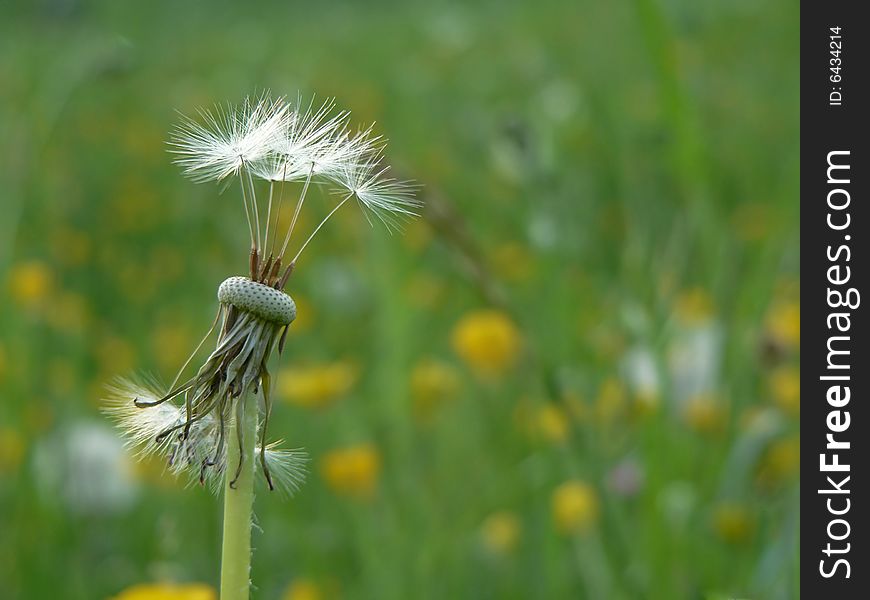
(576, 376)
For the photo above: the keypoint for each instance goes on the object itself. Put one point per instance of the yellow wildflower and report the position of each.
(30, 283)
(500, 532)
(781, 462)
(785, 388)
(303, 589)
(693, 307)
(432, 384)
(168, 591)
(352, 471)
(11, 450)
(543, 420)
(575, 507)
(783, 324)
(733, 523)
(487, 340)
(705, 414)
(316, 386)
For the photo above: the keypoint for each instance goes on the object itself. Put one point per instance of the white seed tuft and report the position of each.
(230, 137)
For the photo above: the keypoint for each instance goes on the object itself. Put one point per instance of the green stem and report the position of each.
(238, 504)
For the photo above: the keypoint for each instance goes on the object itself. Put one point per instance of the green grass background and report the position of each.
(631, 151)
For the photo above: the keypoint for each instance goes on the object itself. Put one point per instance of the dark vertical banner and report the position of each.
(835, 419)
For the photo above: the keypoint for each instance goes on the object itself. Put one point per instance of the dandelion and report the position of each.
(552, 423)
(30, 283)
(317, 386)
(352, 471)
(575, 507)
(167, 591)
(212, 422)
(487, 340)
(303, 589)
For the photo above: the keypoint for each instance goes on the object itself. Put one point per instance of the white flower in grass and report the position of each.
(230, 137)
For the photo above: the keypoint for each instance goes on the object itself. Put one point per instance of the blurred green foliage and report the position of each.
(614, 186)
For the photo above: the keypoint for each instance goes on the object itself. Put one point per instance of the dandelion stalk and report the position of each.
(239, 503)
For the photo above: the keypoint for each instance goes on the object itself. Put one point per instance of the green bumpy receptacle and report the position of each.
(266, 302)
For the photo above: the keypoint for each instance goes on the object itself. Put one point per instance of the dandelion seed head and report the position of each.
(268, 139)
(279, 143)
(230, 137)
